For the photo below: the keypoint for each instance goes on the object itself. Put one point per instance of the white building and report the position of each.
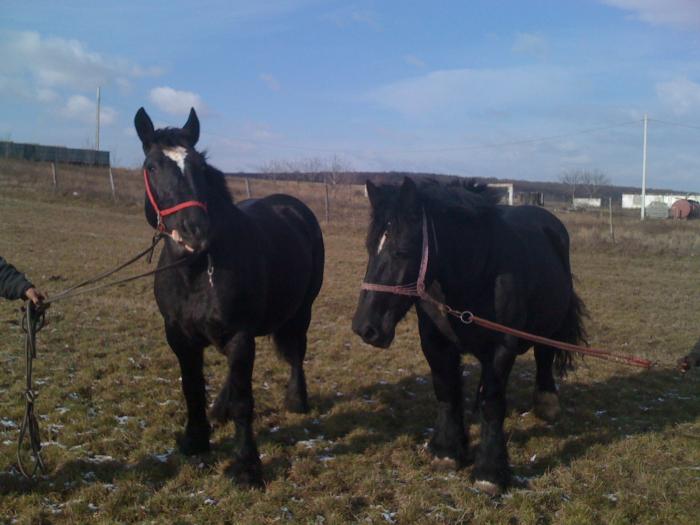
(584, 202)
(634, 200)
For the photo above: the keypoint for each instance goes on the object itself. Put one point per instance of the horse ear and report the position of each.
(144, 128)
(373, 193)
(191, 127)
(408, 196)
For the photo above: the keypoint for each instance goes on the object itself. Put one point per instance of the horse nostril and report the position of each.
(193, 229)
(370, 334)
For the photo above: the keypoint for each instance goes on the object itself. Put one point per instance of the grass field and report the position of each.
(626, 449)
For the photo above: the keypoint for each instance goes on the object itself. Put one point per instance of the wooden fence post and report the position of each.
(111, 184)
(612, 230)
(247, 188)
(53, 176)
(328, 204)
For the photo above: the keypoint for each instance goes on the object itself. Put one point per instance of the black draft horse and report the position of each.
(251, 269)
(506, 264)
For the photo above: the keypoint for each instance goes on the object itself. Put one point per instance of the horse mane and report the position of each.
(459, 195)
(216, 181)
(462, 196)
(171, 138)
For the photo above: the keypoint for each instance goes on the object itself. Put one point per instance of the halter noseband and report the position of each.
(172, 209)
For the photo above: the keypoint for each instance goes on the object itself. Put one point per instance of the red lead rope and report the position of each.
(417, 289)
(167, 211)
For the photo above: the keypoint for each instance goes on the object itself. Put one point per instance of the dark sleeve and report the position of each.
(13, 283)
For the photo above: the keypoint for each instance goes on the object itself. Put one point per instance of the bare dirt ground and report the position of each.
(625, 450)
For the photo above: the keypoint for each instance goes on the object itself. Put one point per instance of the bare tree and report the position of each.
(331, 168)
(571, 178)
(593, 180)
(589, 180)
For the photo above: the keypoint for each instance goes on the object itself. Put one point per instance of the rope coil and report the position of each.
(32, 321)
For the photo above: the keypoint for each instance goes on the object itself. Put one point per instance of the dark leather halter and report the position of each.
(417, 289)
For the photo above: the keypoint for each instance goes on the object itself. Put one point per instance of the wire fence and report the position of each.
(330, 202)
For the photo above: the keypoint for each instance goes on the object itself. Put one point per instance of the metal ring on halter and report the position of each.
(466, 317)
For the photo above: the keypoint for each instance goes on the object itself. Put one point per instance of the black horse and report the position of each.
(506, 264)
(250, 269)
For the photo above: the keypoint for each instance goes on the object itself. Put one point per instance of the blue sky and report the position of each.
(462, 87)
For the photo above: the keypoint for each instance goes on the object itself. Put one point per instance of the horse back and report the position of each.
(289, 239)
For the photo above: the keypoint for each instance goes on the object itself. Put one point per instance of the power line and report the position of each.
(432, 150)
(530, 141)
(678, 124)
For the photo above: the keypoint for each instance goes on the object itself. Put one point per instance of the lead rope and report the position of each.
(418, 289)
(32, 321)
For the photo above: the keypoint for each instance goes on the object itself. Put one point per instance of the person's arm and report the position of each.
(13, 283)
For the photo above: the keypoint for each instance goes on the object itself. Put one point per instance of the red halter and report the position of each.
(172, 209)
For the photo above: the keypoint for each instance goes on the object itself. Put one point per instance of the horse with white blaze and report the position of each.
(250, 269)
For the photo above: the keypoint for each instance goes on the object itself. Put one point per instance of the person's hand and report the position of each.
(35, 296)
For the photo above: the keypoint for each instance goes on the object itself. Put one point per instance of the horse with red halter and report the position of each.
(249, 269)
(431, 245)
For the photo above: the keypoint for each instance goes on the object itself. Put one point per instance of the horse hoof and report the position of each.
(246, 474)
(444, 464)
(190, 446)
(488, 487)
(546, 406)
(444, 457)
(296, 405)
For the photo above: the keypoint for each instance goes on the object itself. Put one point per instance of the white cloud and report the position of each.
(680, 14)
(176, 102)
(680, 95)
(46, 95)
(49, 62)
(81, 108)
(270, 81)
(494, 91)
(530, 44)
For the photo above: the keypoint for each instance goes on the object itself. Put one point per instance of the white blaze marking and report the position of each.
(178, 155)
(381, 243)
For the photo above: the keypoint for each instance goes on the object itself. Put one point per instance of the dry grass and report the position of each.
(625, 450)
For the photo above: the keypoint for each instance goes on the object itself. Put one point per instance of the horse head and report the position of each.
(176, 188)
(394, 245)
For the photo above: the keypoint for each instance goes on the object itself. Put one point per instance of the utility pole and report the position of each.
(97, 134)
(644, 169)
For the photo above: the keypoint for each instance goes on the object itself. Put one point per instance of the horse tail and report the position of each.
(571, 331)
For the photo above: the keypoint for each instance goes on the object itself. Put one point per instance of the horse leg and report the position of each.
(449, 441)
(196, 437)
(546, 397)
(290, 341)
(235, 401)
(491, 469)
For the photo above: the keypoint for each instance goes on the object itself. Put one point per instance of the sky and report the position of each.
(510, 89)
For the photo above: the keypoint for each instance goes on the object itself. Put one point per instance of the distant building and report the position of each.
(634, 200)
(583, 202)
